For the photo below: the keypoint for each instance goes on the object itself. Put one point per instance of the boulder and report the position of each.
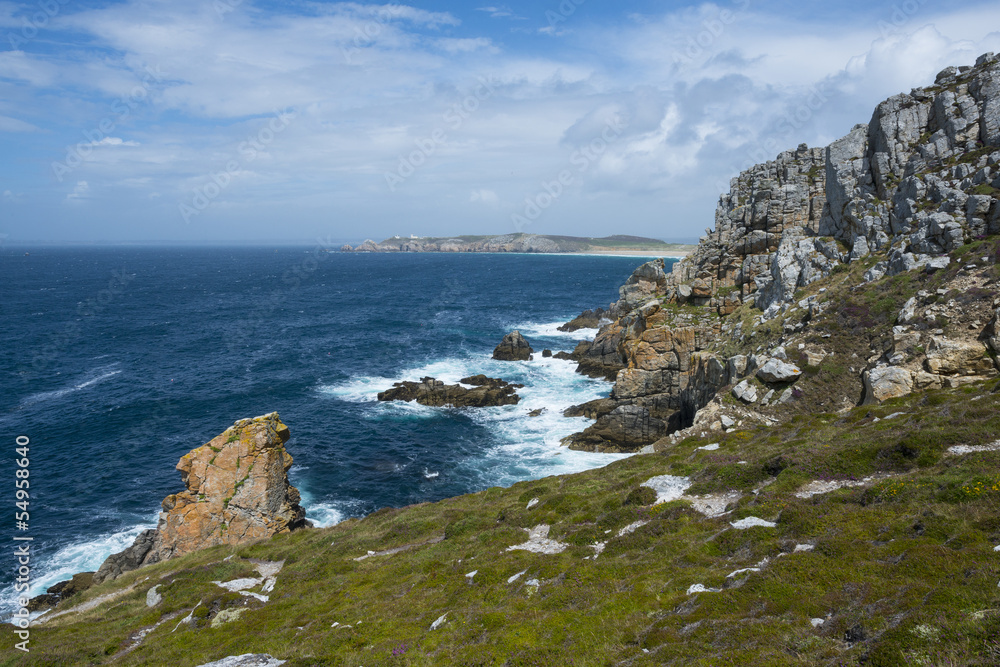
(513, 347)
(952, 357)
(486, 392)
(745, 391)
(237, 492)
(546, 354)
(776, 371)
(908, 313)
(886, 382)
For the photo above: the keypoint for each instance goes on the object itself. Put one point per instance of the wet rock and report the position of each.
(588, 319)
(628, 428)
(61, 591)
(486, 392)
(513, 347)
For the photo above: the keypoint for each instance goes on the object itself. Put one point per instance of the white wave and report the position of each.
(521, 447)
(102, 374)
(551, 330)
(324, 514)
(431, 475)
(83, 556)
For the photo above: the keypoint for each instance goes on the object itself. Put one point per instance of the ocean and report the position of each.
(118, 361)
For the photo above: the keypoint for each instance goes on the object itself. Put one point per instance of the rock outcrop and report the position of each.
(897, 194)
(588, 319)
(513, 347)
(237, 492)
(61, 591)
(486, 392)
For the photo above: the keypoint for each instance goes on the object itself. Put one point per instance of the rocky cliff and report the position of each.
(237, 492)
(904, 195)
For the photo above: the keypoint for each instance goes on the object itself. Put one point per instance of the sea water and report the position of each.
(115, 362)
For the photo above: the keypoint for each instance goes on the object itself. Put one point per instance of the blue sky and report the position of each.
(244, 120)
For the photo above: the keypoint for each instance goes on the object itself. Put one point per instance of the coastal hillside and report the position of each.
(532, 243)
(813, 398)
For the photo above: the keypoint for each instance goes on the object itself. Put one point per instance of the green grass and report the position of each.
(906, 562)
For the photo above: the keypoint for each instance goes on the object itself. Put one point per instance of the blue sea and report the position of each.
(115, 362)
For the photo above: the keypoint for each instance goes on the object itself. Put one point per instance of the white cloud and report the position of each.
(113, 141)
(80, 192)
(373, 83)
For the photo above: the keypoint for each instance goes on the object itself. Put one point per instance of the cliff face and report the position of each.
(237, 492)
(904, 192)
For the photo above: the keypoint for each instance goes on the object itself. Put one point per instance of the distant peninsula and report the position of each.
(528, 243)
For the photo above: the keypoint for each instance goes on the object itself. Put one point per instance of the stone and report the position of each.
(908, 313)
(737, 366)
(628, 428)
(938, 263)
(727, 422)
(246, 660)
(546, 354)
(237, 491)
(588, 319)
(776, 371)
(951, 357)
(886, 382)
(745, 391)
(152, 597)
(61, 591)
(513, 347)
(486, 392)
(993, 332)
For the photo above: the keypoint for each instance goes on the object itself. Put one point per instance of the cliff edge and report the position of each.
(890, 221)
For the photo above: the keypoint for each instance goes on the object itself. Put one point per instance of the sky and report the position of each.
(260, 121)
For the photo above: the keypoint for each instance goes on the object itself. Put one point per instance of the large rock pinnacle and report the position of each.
(237, 492)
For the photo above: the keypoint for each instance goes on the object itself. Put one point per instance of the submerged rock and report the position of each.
(486, 392)
(237, 492)
(513, 347)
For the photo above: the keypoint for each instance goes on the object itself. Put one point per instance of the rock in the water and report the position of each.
(237, 492)
(546, 354)
(513, 347)
(745, 391)
(486, 392)
(588, 319)
(886, 382)
(628, 428)
(61, 591)
(537, 413)
(775, 371)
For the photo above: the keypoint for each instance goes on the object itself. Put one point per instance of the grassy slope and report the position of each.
(904, 567)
